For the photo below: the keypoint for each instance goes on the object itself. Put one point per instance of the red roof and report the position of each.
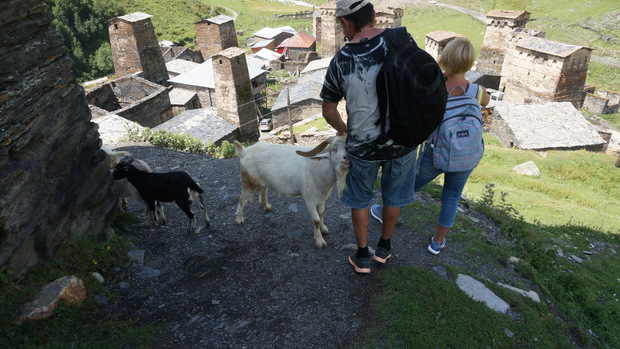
(299, 40)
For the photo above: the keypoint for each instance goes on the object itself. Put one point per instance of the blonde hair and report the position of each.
(458, 56)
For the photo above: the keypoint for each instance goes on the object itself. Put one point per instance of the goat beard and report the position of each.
(341, 179)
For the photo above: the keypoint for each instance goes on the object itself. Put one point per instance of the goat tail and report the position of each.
(238, 148)
(195, 187)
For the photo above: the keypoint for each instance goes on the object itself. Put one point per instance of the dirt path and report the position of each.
(260, 285)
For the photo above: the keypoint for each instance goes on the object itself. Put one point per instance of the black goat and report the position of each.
(177, 186)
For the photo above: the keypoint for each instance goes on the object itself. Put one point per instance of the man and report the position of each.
(352, 75)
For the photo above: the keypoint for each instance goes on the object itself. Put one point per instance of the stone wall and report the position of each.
(332, 37)
(54, 179)
(135, 99)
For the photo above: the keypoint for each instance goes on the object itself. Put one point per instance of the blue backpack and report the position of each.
(457, 143)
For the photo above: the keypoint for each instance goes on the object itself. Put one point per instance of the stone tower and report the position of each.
(437, 40)
(332, 37)
(500, 24)
(541, 70)
(233, 92)
(389, 17)
(135, 47)
(215, 34)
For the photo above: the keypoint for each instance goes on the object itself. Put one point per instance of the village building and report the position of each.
(203, 124)
(389, 17)
(297, 47)
(332, 36)
(437, 40)
(177, 67)
(500, 24)
(317, 65)
(276, 34)
(316, 25)
(304, 98)
(544, 126)
(173, 50)
(235, 102)
(201, 80)
(135, 47)
(133, 98)
(215, 34)
(540, 70)
(268, 44)
(602, 102)
(266, 59)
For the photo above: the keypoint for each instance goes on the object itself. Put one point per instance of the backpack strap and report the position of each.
(389, 36)
(454, 88)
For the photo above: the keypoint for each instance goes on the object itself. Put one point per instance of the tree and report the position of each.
(85, 33)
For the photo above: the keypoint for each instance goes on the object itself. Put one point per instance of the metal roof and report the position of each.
(202, 75)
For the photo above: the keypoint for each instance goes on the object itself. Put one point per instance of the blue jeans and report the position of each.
(397, 181)
(453, 185)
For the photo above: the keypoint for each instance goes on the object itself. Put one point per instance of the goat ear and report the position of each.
(320, 156)
(316, 149)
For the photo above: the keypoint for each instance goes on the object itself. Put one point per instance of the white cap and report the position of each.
(347, 7)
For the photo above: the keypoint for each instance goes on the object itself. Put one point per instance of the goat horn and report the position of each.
(316, 149)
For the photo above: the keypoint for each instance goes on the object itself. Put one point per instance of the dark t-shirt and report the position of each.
(352, 75)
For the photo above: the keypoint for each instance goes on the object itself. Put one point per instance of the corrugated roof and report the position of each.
(268, 55)
(269, 33)
(299, 40)
(262, 43)
(202, 75)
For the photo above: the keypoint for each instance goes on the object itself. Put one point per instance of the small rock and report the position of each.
(136, 256)
(575, 258)
(293, 208)
(69, 289)
(215, 302)
(479, 292)
(123, 285)
(509, 333)
(101, 300)
(98, 276)
(527, 168)
(441, 271)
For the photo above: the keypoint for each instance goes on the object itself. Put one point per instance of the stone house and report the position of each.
(437, 40)
(541, 70)
(602, 102)
(500, 24)
(305, 100)
(133, 98)
(135, 47)
(215, 34)
(389, 17)
(544, 126)
(266, 59)
(332, 37)
(173, 50)
(297, 47)
(177, 67)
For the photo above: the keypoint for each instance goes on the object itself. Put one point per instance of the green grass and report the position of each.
(71, 326)
(416, 308)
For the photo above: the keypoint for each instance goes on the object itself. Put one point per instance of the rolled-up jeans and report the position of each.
(453, 185)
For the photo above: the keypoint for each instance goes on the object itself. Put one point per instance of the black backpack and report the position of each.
(411, 90)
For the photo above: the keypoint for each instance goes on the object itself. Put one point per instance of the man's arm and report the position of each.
(332, 116)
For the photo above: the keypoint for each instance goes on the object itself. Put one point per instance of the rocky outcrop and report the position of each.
(68, 289)
(54, 179)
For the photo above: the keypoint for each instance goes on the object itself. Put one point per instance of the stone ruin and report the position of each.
(54, 179)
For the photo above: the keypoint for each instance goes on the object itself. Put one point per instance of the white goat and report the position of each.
(281, 169)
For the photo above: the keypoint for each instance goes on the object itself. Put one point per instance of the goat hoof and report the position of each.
(320, 244)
